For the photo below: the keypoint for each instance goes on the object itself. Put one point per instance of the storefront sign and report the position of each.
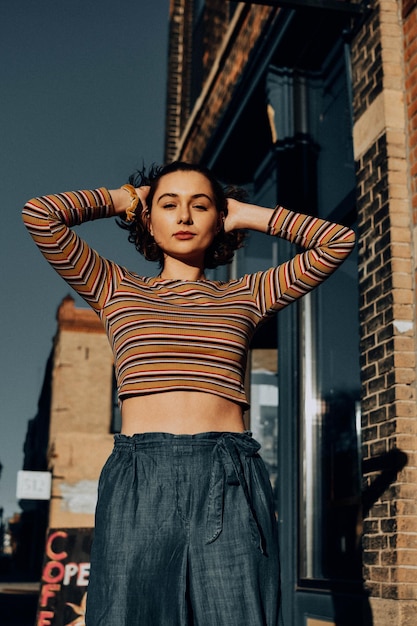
(65, 574)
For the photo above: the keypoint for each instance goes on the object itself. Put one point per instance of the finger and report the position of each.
(142, 193)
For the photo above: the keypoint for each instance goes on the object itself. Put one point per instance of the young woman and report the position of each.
(185, 526)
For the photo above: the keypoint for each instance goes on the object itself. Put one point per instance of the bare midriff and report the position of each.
(180, 413)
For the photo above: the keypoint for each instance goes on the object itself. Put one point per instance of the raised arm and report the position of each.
(326, 246)
(49, 220)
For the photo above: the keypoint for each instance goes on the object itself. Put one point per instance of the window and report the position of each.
(116, 416)
(330, 503)
(263, 420)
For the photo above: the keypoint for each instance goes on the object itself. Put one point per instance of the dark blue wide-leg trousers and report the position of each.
(185, 534)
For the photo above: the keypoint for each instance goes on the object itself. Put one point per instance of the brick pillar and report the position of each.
(387, 313)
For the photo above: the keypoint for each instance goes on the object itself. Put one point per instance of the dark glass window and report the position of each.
(116, 416)
(313, 172)
(330, 485)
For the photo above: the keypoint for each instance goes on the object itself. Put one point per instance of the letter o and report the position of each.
(47, 574)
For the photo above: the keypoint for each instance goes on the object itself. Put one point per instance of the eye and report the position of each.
(169, 205)
(200, 207)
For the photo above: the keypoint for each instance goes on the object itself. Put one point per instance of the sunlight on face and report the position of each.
(184, 219)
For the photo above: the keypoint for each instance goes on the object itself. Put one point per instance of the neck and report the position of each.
(181, 271)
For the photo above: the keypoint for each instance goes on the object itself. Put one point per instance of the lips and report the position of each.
(184, 235)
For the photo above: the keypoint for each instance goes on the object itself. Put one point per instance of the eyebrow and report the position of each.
(195, 196)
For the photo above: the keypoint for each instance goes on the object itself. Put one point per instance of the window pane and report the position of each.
(116, 416)
(264, 406)
(331, 496)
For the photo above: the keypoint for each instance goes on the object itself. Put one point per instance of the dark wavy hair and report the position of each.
(222, 249)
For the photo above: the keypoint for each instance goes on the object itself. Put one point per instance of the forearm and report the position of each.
(326, 245)
(245, 216)
(121, 201)
(67, 209)
(304, 230)
(49, 220)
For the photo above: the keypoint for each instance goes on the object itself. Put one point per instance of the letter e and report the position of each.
(44, 618)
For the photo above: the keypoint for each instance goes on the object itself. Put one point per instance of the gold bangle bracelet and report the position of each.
(130, 212)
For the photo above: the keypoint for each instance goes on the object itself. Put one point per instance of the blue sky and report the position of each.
(83, 105)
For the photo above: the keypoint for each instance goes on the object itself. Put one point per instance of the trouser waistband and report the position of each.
(229, 449)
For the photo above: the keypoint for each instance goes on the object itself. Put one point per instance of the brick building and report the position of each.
(80, 414)
(313, 104)
(71, 435)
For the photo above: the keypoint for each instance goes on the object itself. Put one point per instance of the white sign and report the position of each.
(33, 485)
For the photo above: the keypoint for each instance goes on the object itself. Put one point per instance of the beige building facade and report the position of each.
(81, 412)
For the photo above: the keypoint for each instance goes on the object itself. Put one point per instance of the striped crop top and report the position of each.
(173, 334)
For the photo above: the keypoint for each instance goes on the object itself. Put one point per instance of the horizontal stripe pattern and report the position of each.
(171, 334)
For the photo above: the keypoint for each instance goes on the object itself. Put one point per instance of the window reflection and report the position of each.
(264, 405)
(116, 415)
(330, 503)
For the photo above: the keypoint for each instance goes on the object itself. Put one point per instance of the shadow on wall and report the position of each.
(386, 466)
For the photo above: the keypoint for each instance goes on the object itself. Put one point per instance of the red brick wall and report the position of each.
(216, 21)
(231, 65)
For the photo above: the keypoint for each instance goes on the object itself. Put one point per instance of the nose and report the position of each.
(184, 215)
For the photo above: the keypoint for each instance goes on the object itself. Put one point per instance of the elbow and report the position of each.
(347, 238)
(33, 213)
(351, 238)
(26, 214)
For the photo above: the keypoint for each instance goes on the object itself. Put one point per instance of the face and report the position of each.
(184, 219)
